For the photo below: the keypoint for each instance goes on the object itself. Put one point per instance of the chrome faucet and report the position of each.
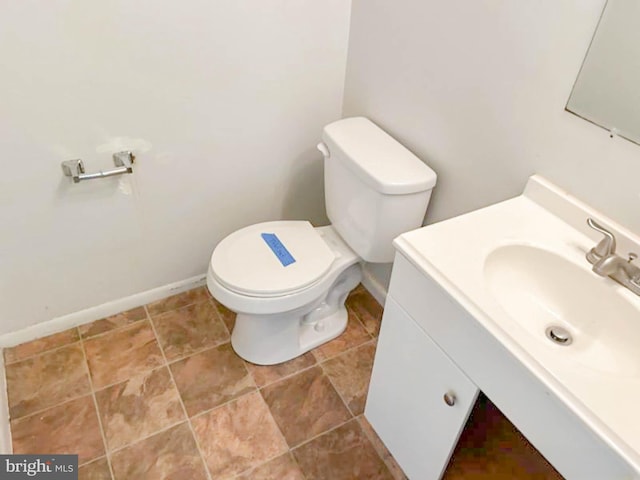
(607, 264)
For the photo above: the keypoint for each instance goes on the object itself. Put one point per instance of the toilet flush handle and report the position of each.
(323, 149)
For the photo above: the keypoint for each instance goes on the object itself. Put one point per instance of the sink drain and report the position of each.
(559, 335)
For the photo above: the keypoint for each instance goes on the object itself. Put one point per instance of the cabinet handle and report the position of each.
(450, 398)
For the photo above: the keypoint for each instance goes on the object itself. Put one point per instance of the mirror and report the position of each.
(607, 91)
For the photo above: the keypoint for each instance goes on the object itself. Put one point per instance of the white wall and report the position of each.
(223, 103)
(478, 88)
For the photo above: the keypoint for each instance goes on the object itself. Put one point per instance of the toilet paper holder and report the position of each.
(75, 168)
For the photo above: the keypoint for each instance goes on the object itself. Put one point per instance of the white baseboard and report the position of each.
(65, 322)
(375, 288)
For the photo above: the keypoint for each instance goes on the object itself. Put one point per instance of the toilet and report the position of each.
(287, 280)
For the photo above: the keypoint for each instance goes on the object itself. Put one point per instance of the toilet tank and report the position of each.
(375, 188)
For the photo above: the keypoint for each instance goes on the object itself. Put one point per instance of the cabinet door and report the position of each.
(406, 404)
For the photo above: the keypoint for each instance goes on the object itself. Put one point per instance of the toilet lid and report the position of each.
(272, 258)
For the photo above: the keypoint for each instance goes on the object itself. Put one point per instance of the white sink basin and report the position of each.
(541, 290)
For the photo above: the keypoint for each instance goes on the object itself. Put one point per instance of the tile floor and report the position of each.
(156, 392)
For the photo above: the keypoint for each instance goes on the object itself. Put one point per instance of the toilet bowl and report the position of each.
(288, 281)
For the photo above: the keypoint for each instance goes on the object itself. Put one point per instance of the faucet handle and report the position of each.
(606, 246)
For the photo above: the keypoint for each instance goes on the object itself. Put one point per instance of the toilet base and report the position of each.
(309, 338)
(312, 336)
(276, 338)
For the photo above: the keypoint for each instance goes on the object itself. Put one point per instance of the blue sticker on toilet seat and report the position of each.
(278, 248)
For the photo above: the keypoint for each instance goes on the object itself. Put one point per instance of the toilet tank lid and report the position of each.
(377, 157)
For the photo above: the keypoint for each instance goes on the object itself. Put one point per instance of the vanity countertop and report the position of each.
(598, 376)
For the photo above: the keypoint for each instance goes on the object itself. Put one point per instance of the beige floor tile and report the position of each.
(305, 405)
(380, 447)
(283, 467)
(169, 455)
(227, 316)
(139, 407)
(46, 380)
(350, 374)
(178, 301)
(341, 454)
(245, 436)
(354, 335)
(96, 470)
(111, 323)
(366, 308)
(211, 378)
(267, 374)
(190, 329)
(121, 354)
(25, 350)
(69, 428)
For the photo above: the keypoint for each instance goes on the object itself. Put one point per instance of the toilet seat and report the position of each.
(271, 259)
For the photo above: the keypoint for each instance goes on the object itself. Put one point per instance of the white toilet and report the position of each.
(287, 280)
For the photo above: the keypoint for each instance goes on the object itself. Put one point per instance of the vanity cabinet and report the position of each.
(430, 345)
(418, 399)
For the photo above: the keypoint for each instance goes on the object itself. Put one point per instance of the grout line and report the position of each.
(318, 363)
(147, 437)
(287, 453)
(95, 405)
(204, 412)
(148, 316)
(295, 460)
(152, 369)
(355, 314)
(44, 352)
(119, 330)
(343, 353)
(251, 469)
(107, 332)
(219, 315)
(380, 448)
(81, 395)
(322, 433)
(284, 440)
(184, 409)
(181, 307)
(80, 465)
(146, 372)
(266, 405)
(308, 440)
(208, 297)
(324, 372)
(287, 376)
(195, 352)
(42, 410)
(371, 341)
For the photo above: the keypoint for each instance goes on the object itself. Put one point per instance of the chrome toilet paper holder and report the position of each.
(75, 168)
